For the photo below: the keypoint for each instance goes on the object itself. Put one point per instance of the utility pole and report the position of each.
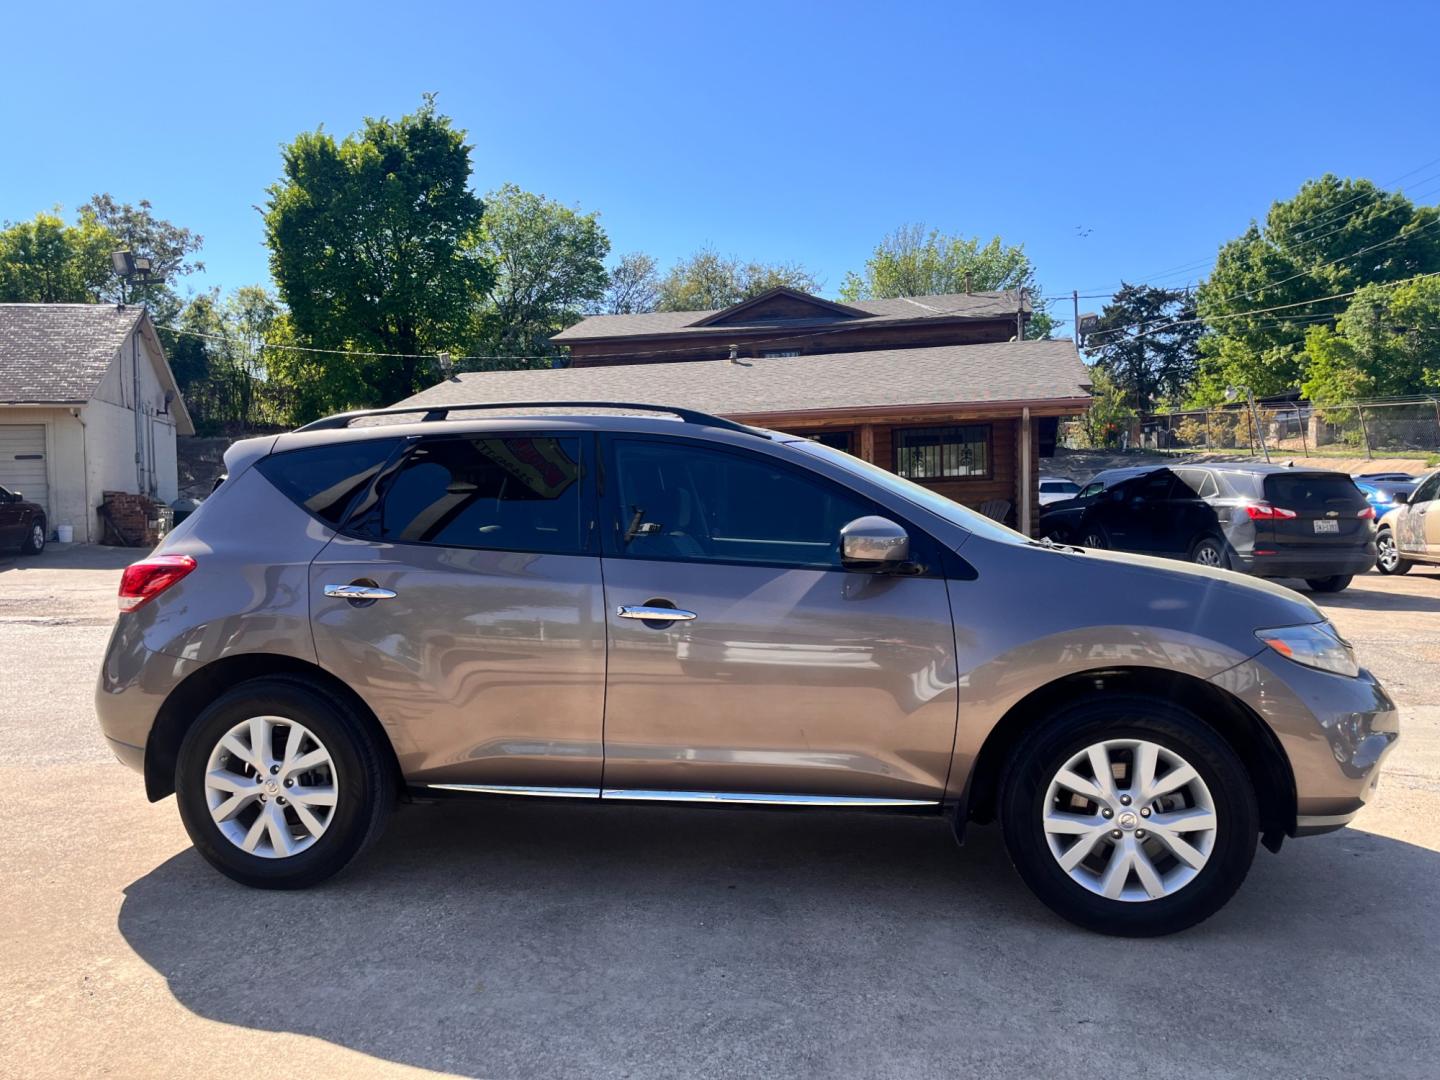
(1075, 304)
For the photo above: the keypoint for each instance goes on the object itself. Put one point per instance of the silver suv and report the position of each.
(675, 608)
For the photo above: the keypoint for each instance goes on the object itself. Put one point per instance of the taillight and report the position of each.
(1266, 512)
(1367, 514)
(148, 578)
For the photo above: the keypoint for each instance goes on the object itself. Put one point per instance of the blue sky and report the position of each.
(774, 131)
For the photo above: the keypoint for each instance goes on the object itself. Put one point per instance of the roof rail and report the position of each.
(442, 412)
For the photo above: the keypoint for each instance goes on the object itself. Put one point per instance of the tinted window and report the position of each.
(687, 502)
(1300, 491)
(505, 493)
(1057, 487)
(325, 480)
(1200, 484)
(1427, 489)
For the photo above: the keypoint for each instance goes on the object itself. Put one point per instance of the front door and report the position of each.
(1418, 529)
(794, 678)
(482, 648)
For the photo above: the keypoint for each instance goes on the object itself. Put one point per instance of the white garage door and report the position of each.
(22, 461)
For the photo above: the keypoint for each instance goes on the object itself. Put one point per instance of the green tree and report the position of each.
(708, 280)
(1386, 344)
(48, 262)
(375, 246)
(918, 261)
(549, 265)
(1334, 236)
(1147, 343)
(1109, 414)
(220, 352)
(633, 288)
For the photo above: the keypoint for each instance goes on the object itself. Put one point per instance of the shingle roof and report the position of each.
(59, 352)
(1029, 371)
(980, 305)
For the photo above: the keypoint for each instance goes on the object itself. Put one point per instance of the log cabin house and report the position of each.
(943, 390)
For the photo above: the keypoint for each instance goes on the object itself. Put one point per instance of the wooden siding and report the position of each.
(876, 444)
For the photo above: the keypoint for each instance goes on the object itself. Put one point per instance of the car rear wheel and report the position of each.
(1093, 536)
(34, 540)
(279, 786)
(1128, 815)
(1210, 551)
(1387, 554)
(1334, 583)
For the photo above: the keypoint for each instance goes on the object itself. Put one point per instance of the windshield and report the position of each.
(970, 520)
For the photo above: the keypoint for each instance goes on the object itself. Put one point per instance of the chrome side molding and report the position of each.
(744, 798)
(521, 789)
(759, 799)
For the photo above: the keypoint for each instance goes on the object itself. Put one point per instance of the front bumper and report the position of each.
(1334, 730)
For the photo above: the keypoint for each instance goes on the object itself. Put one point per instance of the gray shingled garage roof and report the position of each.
(58, 353)
(1027, 371)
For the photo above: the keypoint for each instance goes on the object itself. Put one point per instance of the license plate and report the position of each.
(1326, 525)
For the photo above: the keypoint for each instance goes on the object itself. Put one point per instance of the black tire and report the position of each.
(34, 538)
(1092, 536)
(1332, 584)
(1051, 743)
(1386, 551)
(365, 791)
(1210, 551)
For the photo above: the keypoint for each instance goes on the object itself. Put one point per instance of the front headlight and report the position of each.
(1315, 645)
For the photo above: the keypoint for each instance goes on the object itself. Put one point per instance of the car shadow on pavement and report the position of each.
(73, 557)
(514, 939)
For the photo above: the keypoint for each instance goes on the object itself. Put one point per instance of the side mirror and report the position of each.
(17, 496)
(1402, 498)
(874, 543)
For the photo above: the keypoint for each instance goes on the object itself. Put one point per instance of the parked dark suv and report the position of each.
(1266, 520)
(22, 523)
(616, 608)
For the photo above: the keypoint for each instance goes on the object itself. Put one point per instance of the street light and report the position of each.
(129, 267)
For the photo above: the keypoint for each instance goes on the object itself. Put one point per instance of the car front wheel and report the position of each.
(1129, 815)
(1388, 560)
(279, 786)
(34, 539)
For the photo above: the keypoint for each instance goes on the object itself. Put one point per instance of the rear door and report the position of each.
(482, 650)
(1316, 510)
(787, 677)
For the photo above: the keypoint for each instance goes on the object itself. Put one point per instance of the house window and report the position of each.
(943, 453)
(838, 440)
(773, 353)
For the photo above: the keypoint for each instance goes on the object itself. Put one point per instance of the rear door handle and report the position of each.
(651, 613)
(359, 592)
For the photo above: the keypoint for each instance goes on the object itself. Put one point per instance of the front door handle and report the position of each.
(358, 591)
(654, 613)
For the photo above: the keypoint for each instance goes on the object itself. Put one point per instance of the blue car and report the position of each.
(1386, 494)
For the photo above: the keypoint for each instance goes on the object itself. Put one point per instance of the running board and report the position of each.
(646, 795)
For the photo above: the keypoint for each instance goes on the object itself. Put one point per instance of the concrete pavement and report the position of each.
(514, 939)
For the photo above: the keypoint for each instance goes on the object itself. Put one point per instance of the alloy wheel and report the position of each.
(1093, 540)
(1389, 554)
(37, 537)
(1208, 554)
(271, 787)
(1130, 820)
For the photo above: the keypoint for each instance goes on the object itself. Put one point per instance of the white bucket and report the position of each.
(65, 534)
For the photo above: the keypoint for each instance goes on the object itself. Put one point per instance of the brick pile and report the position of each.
(134, 520)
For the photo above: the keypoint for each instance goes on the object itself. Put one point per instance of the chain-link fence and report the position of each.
(1372, 428)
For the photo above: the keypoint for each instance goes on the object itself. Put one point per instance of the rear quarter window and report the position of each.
(326, 480)
(1297, 491)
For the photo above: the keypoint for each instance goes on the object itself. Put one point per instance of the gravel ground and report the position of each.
(509, 940)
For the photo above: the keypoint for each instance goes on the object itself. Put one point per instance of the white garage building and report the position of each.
(88, 404)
